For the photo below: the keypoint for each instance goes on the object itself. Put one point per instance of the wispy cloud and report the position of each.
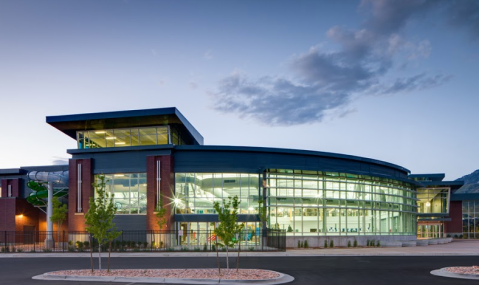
(208, 55)
(324, 82)
(59, 160)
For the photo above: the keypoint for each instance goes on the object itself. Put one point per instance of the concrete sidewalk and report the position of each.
(457, 247)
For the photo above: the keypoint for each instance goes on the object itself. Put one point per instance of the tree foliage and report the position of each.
(228, 228)
(99, 218)
(59, 213)
(160, 214)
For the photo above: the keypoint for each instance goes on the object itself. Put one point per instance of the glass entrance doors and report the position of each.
(430, 230)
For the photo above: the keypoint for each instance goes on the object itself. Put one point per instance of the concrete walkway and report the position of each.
(457, 247)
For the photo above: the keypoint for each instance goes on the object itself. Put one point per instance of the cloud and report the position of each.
(208, 55)
(323, 82)
(465, 15)
(59, 160)
(409, 84)
(276, 101)
(193, 85)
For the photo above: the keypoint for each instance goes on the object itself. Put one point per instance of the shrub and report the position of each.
(14, 249)
(290, 229)
(378, 243)
(299, 244)
(145, 244)
(367, 242)
(213, 247)
(136, 249)
(86, 243)
(305, 244)
(355, 243)
(47, 250)
(197, 249)
(71, 249)
(170, 249)
(251, 248)
(325, 244)
(70, 243)
(448, 236)
(331, 243)
(205, 247)
(20, 250)
(349, 243)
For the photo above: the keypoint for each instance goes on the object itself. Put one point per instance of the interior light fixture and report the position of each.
(428, 204)
(119, 175)
(251, 208)
(119, 142)
(110, 138)
(100, 132)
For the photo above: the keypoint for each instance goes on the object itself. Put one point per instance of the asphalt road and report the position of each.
(306, 270)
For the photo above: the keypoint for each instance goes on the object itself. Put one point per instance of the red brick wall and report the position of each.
(76, 221)
(7, 214)
(455, 213)
(26, 215)
(167, 185)
(15, 185)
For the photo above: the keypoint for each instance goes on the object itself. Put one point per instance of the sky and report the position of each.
(395, 81)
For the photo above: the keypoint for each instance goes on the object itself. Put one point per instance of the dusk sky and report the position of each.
(396, 81)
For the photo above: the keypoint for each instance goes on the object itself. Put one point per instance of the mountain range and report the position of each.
(471, 183)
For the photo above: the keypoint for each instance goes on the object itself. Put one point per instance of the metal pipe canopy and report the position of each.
(57, 177)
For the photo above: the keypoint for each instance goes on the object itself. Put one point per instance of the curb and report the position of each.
(281, 279)
(444, 273)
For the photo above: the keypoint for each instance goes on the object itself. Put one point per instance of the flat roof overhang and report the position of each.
(70, 124)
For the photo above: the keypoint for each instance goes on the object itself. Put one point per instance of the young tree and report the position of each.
(99, 218)
(228, 228)
(161, 218)
(59, 214)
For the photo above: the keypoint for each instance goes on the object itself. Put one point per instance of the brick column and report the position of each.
(15, 186)
(76, 219)
(455, 213)
(167, 188)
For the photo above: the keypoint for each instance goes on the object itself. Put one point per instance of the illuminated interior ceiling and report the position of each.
(428, 194)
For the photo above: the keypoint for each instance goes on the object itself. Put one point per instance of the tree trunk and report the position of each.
(239, 249)
(99, 255)
(91, 253)
(109, 254)
(218, 258)
(227, 259)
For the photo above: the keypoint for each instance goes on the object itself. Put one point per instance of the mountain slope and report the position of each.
(471, 183)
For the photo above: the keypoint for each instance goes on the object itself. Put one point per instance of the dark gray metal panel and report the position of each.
(464, 197)
(130, 222)
(293, 152)
(69, 124)
(254, 162)
(11, 171)
(120, 162)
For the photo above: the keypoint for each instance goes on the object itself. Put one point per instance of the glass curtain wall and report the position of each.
(327, 203)
(470, 219)
(123, 137)
(196, 192)
(433, 200)
(129, 190)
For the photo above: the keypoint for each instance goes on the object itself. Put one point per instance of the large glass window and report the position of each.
(129, 190)
(328, 203)
(124, 137)
(196, 192)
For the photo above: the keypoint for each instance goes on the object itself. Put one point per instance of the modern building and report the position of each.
(153, 154)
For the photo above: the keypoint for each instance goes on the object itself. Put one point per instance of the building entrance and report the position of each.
(430, 230)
